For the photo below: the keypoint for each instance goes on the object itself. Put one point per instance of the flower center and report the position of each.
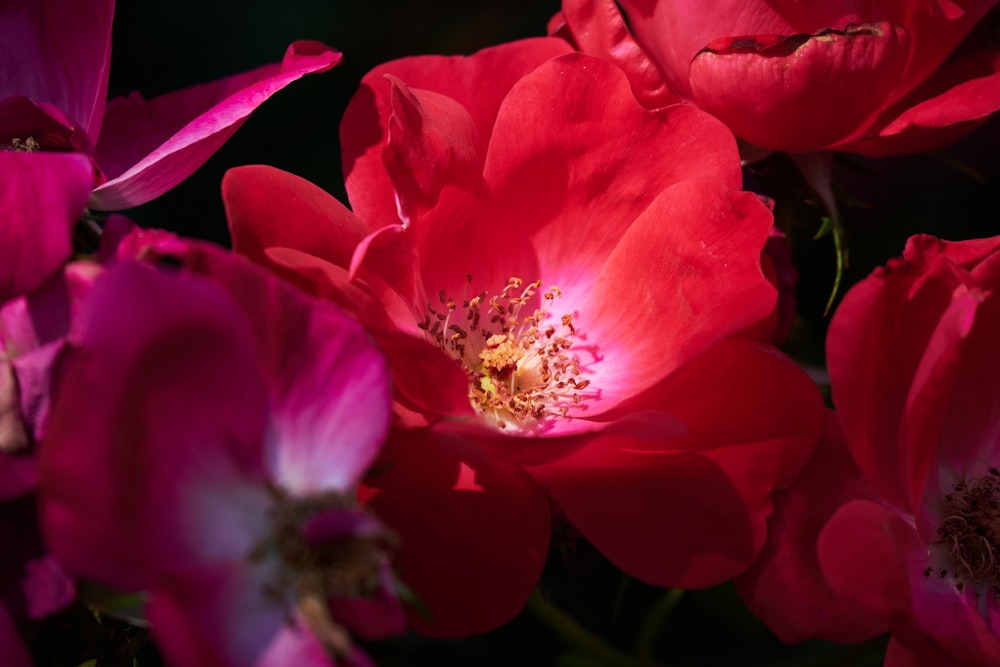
(326, 548)
(968, 540)
(521, 367)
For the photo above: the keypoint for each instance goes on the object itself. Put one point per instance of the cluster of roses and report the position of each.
(549, 302)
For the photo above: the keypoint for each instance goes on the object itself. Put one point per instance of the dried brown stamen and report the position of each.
(968, 539)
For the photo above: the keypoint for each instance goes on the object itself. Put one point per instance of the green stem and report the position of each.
(575, 634)
(654, 622)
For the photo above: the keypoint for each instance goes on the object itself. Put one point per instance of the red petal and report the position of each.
(571, 182)
(599, 29)
(667, 291)
(267, 207)
(478, 83)
(801, 93)
(431, 142)
(473, 530)
(655, 508)
(43, 196)
(785, 588)
(673, 31)
(53, 52)
(877, 339)
(953, 102)
(148, 147)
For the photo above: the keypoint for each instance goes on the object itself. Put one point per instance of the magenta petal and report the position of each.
(58, 52)
(11, 647)
(42, 196)
(23, 118)
(148, 147)
(376, 616)
(329, 384)
(218, 617)
(155, 438)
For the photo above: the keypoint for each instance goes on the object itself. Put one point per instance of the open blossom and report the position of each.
(872, 78)
(564, 301)
(906, 536)
(63, 146)
(206, 438)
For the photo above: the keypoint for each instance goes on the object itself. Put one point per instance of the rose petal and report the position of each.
(329, 385)
(364, 128)
(11, 647)
(473, 530)
(43, 196)
(148, 147)
(267, 207)
(599, 29)
(127, 488)
(708, 286)
(951, 103)
(680, 490)
(785, 587)
(804, 86)
(52, 53)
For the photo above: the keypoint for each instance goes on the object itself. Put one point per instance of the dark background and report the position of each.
(159, 47)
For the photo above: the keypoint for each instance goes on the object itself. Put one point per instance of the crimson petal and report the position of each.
(473, 530)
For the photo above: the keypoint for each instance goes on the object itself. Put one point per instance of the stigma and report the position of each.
(523, 371)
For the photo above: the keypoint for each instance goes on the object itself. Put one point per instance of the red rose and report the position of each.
(872, 78)
(565, 301)
(905, 537)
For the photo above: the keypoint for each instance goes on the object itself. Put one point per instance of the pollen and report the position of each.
(967, 548)
(520, 359)
(29, 145)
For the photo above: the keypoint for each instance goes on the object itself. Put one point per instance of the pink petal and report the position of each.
(43, 196)
(128, 488)
(473, 530)
(799, 93)
(223, 616)
(599, 29)
(654, 507)
(329, 384)
(148, 147)
(53, 52)
(478, 83)
(785, 587)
